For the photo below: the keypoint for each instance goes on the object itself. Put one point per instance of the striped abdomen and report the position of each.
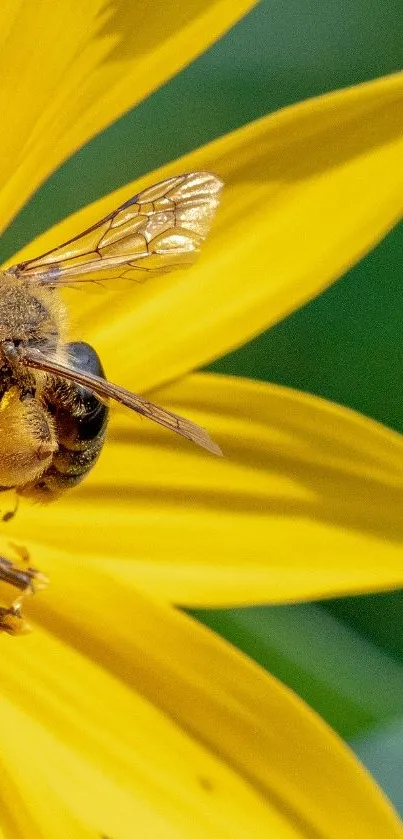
(80, 422)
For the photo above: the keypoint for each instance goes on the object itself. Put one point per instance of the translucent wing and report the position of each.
(34, 358)
(159, 229)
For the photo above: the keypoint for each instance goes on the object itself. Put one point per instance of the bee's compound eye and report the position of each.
(84, 357)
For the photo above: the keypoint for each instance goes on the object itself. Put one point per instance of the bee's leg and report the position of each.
(26, 381)
(11, 620)
(9, 514)
(23, 579)
(27, 581)
(28, 439)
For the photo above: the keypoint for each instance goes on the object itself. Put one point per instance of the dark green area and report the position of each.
(344, 657)
(349, 680)
(377, 617)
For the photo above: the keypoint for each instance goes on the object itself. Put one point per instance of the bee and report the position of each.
(53, 393)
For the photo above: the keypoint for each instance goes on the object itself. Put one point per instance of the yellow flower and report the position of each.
(120, 716)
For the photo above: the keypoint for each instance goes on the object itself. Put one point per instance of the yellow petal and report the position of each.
(306, 502)
(308, 191)
(84, 754)
(67, 70)
(297, 773)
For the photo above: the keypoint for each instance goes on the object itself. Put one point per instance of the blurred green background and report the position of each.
(345, 657)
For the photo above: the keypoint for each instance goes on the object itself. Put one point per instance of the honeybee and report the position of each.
(53, 393)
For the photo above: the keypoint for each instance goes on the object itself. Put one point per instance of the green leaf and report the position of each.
(381, 750)
(345, 677)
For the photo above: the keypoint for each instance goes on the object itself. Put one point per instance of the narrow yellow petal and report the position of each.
(245, 719)
(308, 191)
(305, 503)
(85, 753)
(67, 70)
(32, 799)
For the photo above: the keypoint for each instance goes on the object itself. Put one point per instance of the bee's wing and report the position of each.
(159, 229)
(104, 389)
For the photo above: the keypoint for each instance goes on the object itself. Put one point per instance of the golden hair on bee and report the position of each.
(53, 393)
(29, 315)
(30, 312)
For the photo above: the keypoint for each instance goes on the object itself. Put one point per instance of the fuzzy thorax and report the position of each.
(30, 313)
